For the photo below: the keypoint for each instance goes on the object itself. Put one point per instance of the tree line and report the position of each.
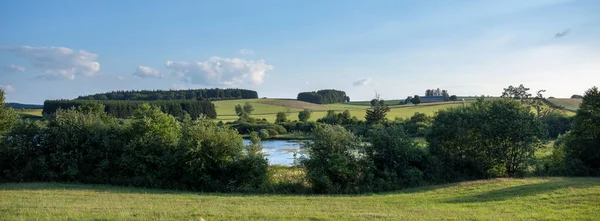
(191, 94)
(126, 109)
(328, 96)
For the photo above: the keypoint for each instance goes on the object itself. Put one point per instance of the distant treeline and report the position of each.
(125, 109)
(192, 94)
(324, 97)
(23, 106)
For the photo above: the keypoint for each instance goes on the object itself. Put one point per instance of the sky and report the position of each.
(394, 48)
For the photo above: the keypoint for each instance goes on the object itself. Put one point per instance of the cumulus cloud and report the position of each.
(147, 72)
(58, 62)
(246, 52)
(7, 88)
(14, 68)
(362, 82)
(219, 71)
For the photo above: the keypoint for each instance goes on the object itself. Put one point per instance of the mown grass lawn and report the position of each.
(499, 199)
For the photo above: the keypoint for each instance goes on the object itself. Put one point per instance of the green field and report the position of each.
(498, 199)
(268, 108)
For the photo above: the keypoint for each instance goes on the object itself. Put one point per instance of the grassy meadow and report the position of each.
(568, 103)
(497, 199)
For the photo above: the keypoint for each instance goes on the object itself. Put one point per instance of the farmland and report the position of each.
(568, 103)
(497, 199)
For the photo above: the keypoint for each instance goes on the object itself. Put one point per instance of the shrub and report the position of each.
(264, 134)
(486, 139)
(337, 162)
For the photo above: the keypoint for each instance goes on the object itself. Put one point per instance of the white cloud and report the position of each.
(14, 68)
(147, 72)
(246, 52)
(58, 62)
(7, 88)
(121, 77)
(221, 71)
(178, 87)
(362, 82)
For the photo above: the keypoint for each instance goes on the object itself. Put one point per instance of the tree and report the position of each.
(408, 100)
(304, 115)
(248, 108)
(416, 100)
(453, 98)
(428, 92)
(374, 102)
(576, 96)
(438, 92)
(446, 95)
(378, 112)
(582, 148)
(281, 117)
(8, 117)
(520, 92)
(239, 110)
(485, 139)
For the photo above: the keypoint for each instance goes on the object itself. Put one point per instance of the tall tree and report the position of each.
(248, 108)
(446, 95)
(281, 117)
(378, 112)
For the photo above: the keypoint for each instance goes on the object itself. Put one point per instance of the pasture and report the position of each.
(268, 108)
(496, 199)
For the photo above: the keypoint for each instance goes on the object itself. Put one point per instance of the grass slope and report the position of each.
(569, 103)
(499, 199)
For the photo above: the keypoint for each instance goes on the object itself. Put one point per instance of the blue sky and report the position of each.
(63, 49)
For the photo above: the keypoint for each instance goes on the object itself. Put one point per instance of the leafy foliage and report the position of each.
(416, 100)
(582, 147)
(304, 115)
(486, 139)
(7, 116)
(377, 113)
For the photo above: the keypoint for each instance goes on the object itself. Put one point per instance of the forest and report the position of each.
(329, 96)
(191, 94)
(126, 109)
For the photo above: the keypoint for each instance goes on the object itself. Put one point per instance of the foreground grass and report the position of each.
(500, 199)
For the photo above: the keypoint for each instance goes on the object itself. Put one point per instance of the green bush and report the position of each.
(486, 139)
(337, 162)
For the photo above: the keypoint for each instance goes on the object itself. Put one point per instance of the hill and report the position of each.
(497, 199)
(571, 104)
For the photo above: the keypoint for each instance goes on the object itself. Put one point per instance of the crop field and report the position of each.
(497, 199)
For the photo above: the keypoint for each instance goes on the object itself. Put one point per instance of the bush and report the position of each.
(264, 134)
(486, 139)
(397, 159)
(337, 162)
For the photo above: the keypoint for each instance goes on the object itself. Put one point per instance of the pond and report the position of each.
(281, 152)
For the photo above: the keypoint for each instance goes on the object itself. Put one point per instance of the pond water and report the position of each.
(281, 152)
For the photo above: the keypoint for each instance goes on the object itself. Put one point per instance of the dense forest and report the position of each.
(192, 94)
(125, 109)
(328, 96)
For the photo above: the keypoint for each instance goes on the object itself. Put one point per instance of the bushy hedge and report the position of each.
(191, 94)
(125, 109)
(153, 150)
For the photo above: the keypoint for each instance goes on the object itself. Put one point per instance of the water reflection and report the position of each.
(281, 152)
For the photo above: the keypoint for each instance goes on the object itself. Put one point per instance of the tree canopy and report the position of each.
(191, 94)
(328, 96)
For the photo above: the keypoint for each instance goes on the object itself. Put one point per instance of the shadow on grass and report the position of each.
(526, 190)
